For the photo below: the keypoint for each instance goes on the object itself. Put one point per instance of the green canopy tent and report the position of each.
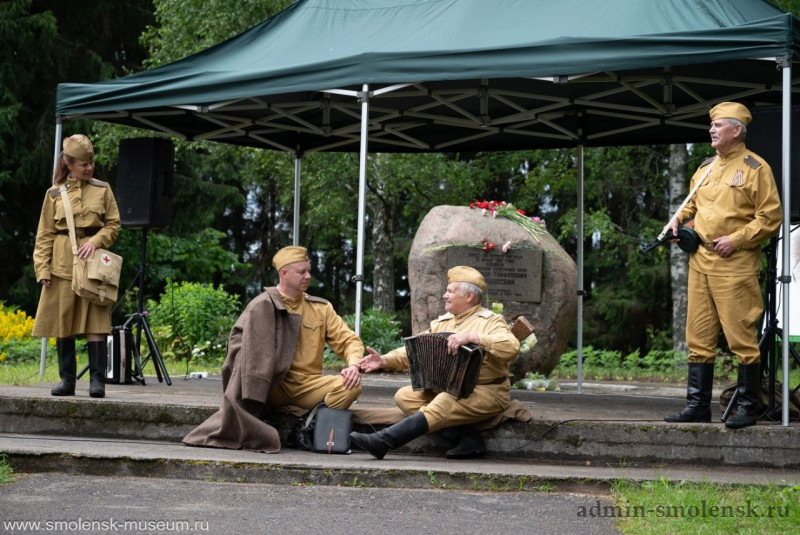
(466, 75)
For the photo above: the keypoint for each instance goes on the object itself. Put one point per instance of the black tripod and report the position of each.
(768, 342)
(139, 318)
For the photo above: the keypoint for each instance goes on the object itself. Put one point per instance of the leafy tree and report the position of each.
(230, 189)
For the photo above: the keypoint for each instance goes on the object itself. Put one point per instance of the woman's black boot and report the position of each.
(67, 367)
(97, 369)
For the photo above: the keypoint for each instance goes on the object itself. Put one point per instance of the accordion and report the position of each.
(432, 368)
(120, 351)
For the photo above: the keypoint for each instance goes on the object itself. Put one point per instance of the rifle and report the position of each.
(687, 240)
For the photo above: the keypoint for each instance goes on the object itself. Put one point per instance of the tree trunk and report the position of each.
(382, 241)
(678, 261)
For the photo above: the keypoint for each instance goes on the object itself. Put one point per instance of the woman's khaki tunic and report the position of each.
(61, 313)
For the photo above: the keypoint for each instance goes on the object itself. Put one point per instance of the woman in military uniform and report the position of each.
(61, 313)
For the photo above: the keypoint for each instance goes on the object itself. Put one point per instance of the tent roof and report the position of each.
(480, 75)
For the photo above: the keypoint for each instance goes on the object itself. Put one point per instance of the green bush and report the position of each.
(379, 330)
(27, 350)
(655, 360)
(193, 320)
(16, 344)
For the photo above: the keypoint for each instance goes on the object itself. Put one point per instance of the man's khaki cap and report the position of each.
(466, 274)
(731, 110)
(289, 255)
(78, 146)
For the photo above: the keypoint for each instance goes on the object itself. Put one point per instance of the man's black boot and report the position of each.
(97, 368)
(748, 397)
(698, 394)
(67, 367)
(403, 432)
(297, 439)
(469, 446)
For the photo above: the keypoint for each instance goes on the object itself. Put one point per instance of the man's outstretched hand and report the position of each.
(372, 361)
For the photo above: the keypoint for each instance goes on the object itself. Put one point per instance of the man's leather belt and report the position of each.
(81, 232)
(708, 245)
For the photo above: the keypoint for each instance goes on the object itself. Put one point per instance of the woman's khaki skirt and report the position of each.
(63, 314)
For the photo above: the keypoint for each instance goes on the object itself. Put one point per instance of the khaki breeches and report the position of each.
(731, 303)
(63, 314)
(311, 390)
(443, 410)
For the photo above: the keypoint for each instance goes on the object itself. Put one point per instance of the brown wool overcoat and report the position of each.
(260, 350)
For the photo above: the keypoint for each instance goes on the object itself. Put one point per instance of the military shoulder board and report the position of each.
(752, 162)
(707, 161)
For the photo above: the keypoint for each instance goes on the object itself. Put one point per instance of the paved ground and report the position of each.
(141, 505)
(66, 478)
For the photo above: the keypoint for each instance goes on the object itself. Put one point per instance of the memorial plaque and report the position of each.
(512, 276)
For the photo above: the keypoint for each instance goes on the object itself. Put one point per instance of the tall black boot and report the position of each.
(97, 368)
(748, 398)
(297, 439)
(403, 432)
(67, 367)
(469, 443)
(698, 394)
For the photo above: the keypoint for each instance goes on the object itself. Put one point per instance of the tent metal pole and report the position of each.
(56, 151)
(362, 201)
(580, 268)
(296, 220)
(786, 169)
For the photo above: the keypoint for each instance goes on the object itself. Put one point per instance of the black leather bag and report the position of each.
(328, 430)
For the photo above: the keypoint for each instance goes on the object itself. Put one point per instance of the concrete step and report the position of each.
(601, 426)
(156, 459)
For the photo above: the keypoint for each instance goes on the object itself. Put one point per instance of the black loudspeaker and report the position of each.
(144, 182)
(765, 138)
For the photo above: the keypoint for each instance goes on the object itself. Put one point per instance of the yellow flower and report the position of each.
(14, 325)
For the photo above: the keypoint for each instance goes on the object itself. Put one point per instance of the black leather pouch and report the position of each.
(328, 430)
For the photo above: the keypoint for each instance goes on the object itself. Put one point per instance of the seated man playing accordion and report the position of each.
(428, 411)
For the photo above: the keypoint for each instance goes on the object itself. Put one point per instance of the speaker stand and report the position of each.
(140, 319)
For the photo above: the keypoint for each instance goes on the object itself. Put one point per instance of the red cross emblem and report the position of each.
(105, 259)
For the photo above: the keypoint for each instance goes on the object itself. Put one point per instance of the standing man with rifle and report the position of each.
(735, 208)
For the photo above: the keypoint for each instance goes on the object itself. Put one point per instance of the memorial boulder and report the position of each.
(525, 269)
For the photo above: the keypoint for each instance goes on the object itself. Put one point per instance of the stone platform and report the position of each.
(606, 432)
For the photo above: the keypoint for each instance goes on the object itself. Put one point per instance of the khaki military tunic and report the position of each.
(304, 385)
(492, 393)
(61, 313)
(738, 199)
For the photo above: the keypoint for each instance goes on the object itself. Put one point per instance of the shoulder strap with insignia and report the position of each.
(100, 183)
(315, 299)
(707, 161)
(55, 190)
(752, 162)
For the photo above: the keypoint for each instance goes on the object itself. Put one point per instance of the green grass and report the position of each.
(687, 508)
(27, 373)
(655, 367)
(5, 470)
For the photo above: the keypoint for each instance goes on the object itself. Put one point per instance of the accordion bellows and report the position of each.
(432, 368)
